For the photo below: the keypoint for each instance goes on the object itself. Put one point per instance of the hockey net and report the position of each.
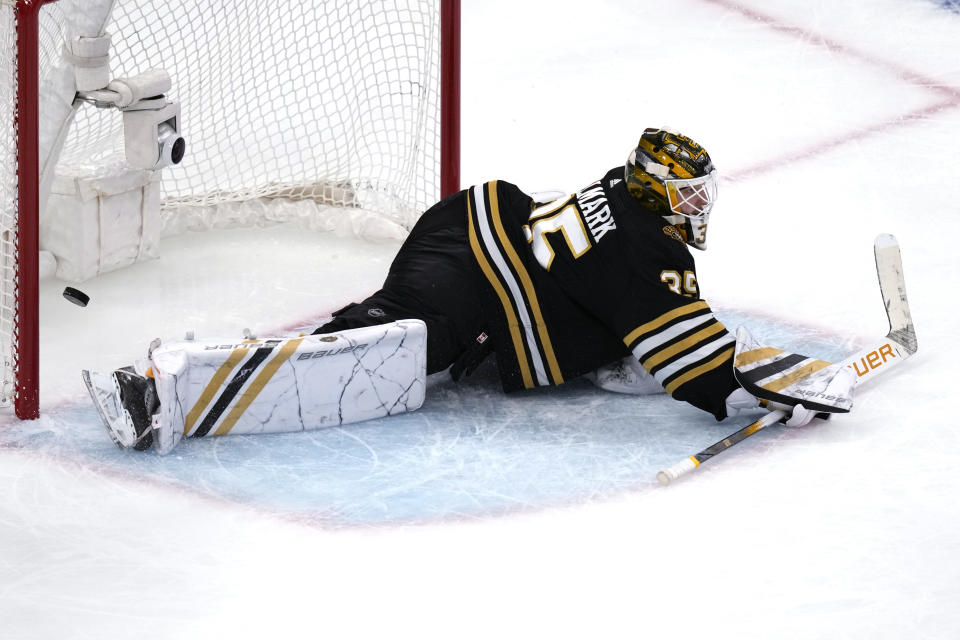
(326, 113)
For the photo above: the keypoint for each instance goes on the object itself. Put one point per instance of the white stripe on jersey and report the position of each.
(692, 357)
(642, 350)
(518, 300)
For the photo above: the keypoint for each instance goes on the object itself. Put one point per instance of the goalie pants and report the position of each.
(433, 278)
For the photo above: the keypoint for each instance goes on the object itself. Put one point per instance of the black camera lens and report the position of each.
(179, 148)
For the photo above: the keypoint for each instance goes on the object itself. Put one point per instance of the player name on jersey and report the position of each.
(596, 210)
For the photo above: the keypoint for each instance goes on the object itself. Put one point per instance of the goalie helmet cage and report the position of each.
(350, 104)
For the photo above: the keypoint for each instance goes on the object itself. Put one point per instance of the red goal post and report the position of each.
(357, 103)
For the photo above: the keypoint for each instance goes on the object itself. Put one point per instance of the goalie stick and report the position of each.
(898, 345)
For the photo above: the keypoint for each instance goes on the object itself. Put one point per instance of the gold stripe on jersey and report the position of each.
(270, 368)
(690, 359)
(687, 343)
(512, 320)
(529, 292)
(696, 372)
(658, 322)
(680, 345)
(215, 384)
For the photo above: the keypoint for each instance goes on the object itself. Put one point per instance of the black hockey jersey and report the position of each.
(585, 280)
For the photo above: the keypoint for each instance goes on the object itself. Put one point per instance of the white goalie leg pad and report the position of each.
(626, 375)
(786, 378)
(288, 384)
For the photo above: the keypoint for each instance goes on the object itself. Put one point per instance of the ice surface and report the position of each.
(470, 452)
(537, 515)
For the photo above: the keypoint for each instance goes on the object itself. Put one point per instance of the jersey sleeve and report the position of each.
(643, 288)
(690, 353)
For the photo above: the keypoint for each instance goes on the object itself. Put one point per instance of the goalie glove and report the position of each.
(805, 388)
(800, 416)
(741, 400)
(626, 375)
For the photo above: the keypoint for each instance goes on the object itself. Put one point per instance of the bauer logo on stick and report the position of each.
(872, 360)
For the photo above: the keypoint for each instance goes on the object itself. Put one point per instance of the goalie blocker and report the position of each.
(263, 386)
(782, 380)
(768, 376)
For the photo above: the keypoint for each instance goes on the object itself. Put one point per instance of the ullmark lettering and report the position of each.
(596, 211)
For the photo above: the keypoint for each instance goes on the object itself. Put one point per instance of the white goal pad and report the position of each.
(288, 384)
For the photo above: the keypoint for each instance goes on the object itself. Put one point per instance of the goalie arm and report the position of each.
(899, 344)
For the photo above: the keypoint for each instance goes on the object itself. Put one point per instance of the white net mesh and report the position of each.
(327, 112)
(8, 197)
(332, 102)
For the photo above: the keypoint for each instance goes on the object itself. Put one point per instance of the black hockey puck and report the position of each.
(76, 296)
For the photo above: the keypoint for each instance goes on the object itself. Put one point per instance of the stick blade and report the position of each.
(886, 250)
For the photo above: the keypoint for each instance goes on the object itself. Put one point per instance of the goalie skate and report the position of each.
(120, 399)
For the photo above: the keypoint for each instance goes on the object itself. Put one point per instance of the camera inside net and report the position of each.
(151, 131)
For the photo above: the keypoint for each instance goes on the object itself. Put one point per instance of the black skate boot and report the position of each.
(126, 402)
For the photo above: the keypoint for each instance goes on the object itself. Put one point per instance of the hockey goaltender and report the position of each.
(598, 283)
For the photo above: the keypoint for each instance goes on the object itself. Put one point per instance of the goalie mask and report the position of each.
(674, 176)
